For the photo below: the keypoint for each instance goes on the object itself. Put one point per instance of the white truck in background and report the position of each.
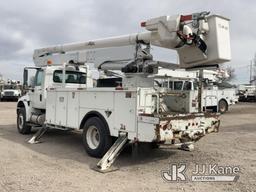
(65, 97)
(11, 91)
(214, 96)
(247, 92)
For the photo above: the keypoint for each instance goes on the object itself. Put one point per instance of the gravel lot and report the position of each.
(60, 163)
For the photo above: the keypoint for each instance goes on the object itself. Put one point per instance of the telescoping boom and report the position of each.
(198, 39)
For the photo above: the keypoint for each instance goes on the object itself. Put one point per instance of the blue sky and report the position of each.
(29, 24)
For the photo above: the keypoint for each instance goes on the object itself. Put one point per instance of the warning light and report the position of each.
(143, 24)
(49, 62)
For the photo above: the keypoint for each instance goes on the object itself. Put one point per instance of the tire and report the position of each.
(96, 137)
(223, 106)
(22, 126)
(154, 145)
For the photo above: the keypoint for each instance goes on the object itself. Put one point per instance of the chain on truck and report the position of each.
(64, 95)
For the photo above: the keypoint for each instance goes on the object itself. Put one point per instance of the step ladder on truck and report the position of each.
(64, 95)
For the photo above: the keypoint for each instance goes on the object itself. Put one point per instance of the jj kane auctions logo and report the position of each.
(203, 173)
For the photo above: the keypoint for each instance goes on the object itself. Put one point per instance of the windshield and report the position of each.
(74, 77)
(10, 87)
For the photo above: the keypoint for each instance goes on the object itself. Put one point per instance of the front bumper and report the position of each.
(10, 97)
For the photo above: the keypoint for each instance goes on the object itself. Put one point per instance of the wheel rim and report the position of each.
(222, 107)
(93, 137)
(20, 121)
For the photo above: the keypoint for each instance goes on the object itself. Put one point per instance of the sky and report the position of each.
(29, 24)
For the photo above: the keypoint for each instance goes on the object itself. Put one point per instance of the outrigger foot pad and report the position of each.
(187, 147)
(110, 169)
(38, 135)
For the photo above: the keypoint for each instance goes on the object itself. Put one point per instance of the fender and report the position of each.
(24, 102)
(102, 117)
(224, 99)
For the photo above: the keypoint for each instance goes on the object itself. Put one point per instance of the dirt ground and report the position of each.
(60, 163)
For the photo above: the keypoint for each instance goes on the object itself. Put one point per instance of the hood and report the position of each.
(9, 90)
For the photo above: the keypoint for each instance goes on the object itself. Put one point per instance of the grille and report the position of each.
(8, 93)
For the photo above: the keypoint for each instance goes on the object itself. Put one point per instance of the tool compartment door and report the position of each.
(50, 107)
(73, 109)
(125, 111)
(61, 108)
(210, 98)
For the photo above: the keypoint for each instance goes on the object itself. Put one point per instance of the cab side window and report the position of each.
(39, 78)
(187, 86)
(74, 77)
(177, 85)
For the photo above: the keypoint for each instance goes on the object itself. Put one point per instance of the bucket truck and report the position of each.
(215, 97)
(65, 96)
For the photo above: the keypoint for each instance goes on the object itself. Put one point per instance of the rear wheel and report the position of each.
(96, 137)
(223, 106)
(22, 126)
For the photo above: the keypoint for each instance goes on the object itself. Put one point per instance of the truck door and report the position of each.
(37, 94)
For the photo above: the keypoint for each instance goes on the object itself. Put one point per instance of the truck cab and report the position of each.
(38, 81)
(50, 77)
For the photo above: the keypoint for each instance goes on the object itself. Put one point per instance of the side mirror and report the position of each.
(25, 78)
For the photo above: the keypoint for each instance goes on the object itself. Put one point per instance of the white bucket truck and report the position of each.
(215, 97)
(65, 97)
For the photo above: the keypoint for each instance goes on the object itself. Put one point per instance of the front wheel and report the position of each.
(22, 126)
(96, 137)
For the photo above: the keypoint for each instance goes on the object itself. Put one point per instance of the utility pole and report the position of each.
(254, 70)
(251, 63)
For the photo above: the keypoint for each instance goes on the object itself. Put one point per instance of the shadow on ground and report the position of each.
(68, 145)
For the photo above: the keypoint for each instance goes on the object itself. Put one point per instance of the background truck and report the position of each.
(215, 97)
(247, 92)
(65, 96)
(11, 91)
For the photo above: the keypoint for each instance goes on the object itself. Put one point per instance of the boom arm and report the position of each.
(199, 39)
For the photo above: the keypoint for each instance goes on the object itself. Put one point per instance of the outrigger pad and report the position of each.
(110, 169)
(187, 147)
(38, 135)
